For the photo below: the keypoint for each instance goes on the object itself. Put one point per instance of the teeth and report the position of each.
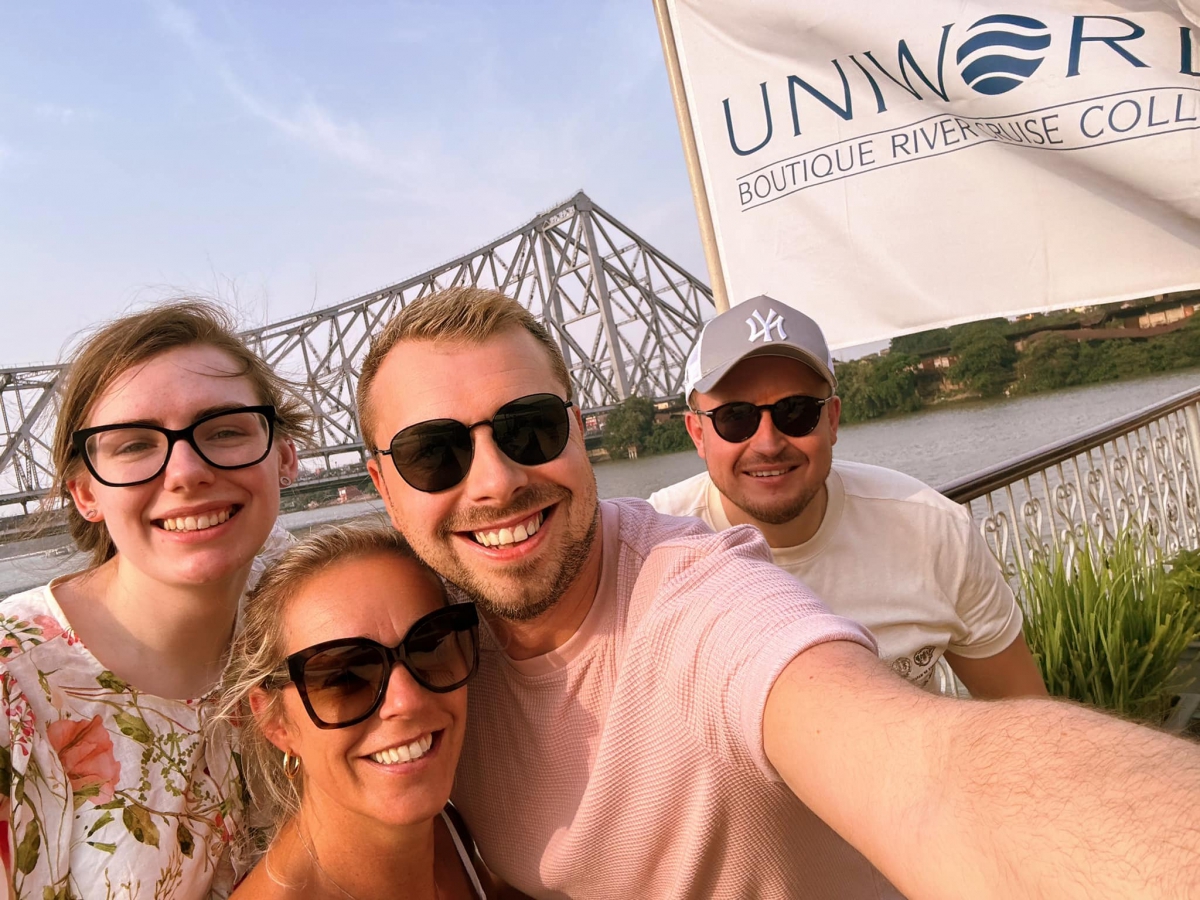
(506, 536)
(405, 753)
(196, 523)
(769, 474)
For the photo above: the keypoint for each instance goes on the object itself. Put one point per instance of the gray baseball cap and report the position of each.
(759, 327)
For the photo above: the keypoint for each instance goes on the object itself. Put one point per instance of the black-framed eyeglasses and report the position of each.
(436, 455)
(132, 453)
(343, 682)
(737, 422)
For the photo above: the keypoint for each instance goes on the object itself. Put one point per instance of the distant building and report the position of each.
(938, 361)
(1165, 317)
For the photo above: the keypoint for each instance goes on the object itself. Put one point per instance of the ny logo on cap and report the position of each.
(763, 331)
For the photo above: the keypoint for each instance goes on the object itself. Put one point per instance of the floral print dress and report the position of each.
(109, 792)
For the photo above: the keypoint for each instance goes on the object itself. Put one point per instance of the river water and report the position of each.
(943, 443)
(936, 445)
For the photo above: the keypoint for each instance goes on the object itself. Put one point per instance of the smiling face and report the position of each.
(772, 478)
(397, 766)
(514, 537)
(193, 524)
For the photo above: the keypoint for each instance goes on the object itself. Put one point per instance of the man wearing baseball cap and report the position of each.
(878, 546)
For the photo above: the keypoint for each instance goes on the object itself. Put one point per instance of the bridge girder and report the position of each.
(625, 316)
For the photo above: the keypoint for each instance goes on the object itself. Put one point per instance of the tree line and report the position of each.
(987, 364)
(632, 425)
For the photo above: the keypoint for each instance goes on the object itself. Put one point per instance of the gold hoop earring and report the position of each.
(291, 765)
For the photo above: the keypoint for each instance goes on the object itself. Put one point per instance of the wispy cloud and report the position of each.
(64, 115)
(308, 123)
(436, 186)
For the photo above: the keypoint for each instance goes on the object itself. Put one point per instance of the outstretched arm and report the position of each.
(1014, 798)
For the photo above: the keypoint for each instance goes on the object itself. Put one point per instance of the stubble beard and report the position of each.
(530, 589)
(778, 514)
(778, 511)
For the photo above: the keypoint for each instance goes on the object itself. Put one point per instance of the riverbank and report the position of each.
(998, 357)
(942, 443)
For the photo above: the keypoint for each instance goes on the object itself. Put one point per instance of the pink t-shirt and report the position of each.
(629, 763)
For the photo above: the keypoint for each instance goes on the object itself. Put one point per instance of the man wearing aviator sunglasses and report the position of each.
(660, 711)
(876, 545)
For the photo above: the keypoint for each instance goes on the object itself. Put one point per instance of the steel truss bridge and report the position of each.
(625, 316)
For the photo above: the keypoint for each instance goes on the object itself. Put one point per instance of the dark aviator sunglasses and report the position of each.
(737, 422)
(343, 682)
(436, 455)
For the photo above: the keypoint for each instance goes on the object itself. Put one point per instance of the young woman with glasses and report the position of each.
(171, 444)
(348, 680)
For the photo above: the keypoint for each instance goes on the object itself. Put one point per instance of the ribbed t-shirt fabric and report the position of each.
(629, 762)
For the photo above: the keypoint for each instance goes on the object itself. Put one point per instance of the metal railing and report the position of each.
(1137, 472)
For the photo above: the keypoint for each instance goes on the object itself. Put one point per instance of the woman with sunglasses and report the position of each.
(171, 444)
(348, 681)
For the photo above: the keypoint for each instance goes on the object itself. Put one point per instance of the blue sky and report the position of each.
(285, 156)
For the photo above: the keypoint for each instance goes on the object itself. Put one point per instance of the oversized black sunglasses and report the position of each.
(127, 454)
(343, 682)
(436, 455)
(737, 422)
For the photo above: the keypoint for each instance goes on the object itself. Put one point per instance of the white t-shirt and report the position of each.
(895, 555)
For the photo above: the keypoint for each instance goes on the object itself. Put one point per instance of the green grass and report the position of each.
(1109, 627)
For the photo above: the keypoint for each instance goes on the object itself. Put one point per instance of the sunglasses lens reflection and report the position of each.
(440, 656)
(532, 430)
(433, 456)
(736, 422)
(796, 416)
(343, 682)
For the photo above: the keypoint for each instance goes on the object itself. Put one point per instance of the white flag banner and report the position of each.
(889, 166)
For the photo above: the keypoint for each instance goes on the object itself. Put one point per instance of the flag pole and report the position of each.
(691, 154)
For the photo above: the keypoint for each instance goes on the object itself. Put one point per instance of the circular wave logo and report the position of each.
(1002, 53)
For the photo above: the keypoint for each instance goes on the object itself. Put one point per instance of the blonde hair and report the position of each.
(465, 314)
(128, 341)
(259, 650)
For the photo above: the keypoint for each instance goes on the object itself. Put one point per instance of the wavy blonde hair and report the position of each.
(259, 650)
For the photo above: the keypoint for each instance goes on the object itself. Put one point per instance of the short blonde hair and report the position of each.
(259, 650)
(131, 340)
(464, 314)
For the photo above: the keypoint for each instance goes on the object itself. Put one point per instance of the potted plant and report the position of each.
(1109, 625)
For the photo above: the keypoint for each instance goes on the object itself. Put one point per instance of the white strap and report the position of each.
(464, 856)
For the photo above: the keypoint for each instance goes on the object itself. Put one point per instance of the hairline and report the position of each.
(134, 369)
(372, 407)
(294, 586)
